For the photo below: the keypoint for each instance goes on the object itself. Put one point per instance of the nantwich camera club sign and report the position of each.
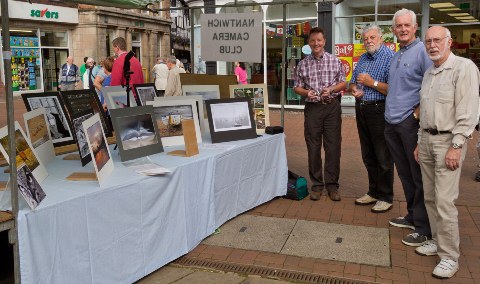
(232, 37)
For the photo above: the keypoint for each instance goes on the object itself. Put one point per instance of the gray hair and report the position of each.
(372, 27)
(404, 12)
(172, 59)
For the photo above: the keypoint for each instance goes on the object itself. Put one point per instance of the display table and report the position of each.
(119, 233)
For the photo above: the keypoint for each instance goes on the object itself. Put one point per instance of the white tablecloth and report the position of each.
(119, 233)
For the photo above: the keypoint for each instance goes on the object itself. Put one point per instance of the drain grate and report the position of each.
(265, 271)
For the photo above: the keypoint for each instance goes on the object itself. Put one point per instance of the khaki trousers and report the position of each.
(440, 186)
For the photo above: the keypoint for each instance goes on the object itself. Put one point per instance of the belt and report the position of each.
(432, 131)
(374, 102)
(326, 101)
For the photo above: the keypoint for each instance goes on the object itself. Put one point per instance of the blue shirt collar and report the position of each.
(408, 46)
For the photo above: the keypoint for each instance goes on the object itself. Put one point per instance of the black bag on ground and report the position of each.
(296, 187)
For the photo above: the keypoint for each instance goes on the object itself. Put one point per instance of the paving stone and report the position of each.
(211, 277)
(166, 274)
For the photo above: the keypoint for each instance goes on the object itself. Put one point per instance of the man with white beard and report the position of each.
(448, 115)
(369, 87)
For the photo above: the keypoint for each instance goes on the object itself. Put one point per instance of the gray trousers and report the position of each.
(440, 186)
(67, 87)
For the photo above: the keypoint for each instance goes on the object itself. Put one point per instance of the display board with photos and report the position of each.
(79, 101)
(57, 117)
(169, 115)
(25, 153)
(136, 132)
(116, 97)
(258, 95)
(29, 187)
(98, 147)
(230, 119)
(145, 92)
(37, 129)
(80, 136)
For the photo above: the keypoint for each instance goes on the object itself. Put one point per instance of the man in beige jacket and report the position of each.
(174, 86)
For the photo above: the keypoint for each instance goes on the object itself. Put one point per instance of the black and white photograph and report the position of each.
(137, 131)
(207, 92)
(56, 116)
(145, 92)
(116, 97)
(169, 119)
(29, 187)
(230, 116)
(80, 136)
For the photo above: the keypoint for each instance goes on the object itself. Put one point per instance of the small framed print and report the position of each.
(80, 136)
(145, 92)
(169, 115)
(29, 187)
(81, 100)
(258, 95)
(57, 117)
(25, 153)
(116, 97)
(136, 132)
(39, 134)
(98, 146)
(230, 119)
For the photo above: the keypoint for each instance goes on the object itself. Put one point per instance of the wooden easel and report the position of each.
(190, 138)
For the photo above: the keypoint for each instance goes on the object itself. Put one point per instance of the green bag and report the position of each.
(296, 187)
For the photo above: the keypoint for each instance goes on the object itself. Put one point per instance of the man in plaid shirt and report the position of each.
(320, 77)
(369, 87)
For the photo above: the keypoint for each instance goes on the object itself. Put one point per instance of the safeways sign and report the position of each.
(232, 37)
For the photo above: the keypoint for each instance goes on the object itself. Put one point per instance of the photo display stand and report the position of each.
(190, 138)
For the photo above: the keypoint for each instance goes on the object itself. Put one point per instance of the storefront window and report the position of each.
(57, 39)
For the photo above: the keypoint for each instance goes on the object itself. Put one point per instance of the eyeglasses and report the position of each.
(434, 40)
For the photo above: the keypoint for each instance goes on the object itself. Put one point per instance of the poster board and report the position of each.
(37, 128)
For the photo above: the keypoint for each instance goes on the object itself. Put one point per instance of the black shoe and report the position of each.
(401, 222)
(414, 240)
(477, 176)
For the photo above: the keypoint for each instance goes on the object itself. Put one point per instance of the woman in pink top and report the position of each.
(241, 72)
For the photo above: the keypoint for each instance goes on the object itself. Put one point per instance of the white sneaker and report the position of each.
(428, 248)
(445, 269)
(365, 200)
(381, 207)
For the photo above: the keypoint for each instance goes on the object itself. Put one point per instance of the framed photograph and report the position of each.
(98, 146)
(202, 113)
(39, 134)
(29, 187)
(57, 117)
(146, 92)
(169, 116)
(79, 101)
(80, 137)
(25, 153)
(136, 132)
(116, 97)
(258, 95)
(230, 119)
(206, 92)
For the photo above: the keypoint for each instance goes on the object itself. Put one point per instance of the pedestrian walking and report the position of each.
(69, 75)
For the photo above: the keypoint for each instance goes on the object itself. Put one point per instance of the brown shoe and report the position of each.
(334, 195)
(315, 195)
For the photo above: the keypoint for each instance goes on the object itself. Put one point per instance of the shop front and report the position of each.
(39, 40)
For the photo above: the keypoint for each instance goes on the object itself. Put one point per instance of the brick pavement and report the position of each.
(407, 266)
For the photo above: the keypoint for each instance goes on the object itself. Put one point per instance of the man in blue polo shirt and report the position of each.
(407, 68)
(369, 87)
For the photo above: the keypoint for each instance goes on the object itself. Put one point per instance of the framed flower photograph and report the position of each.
(116, 97)
(37, 128)
(145, 92)
(136, 132)
(169, 115)
(258, 95)
(230, 119)
(57, 117)
(98, 147)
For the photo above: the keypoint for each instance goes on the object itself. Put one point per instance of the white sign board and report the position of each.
(40, 12)
(232, 37)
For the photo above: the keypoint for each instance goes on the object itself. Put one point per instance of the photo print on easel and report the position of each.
(25, 154)
(230, 120)
(258, 95)
(116, 97)
(98, 147)
(59, 124)
(206, 92)
(145, 92)
(79, 101)
(136, 132)
(77, 122)
(39, 134)
(29, 187)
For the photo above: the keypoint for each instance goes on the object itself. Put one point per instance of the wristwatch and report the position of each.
(375, 84)
(457, 146)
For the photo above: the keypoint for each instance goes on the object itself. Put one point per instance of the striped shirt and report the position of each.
(377, 66)
(319, 73)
